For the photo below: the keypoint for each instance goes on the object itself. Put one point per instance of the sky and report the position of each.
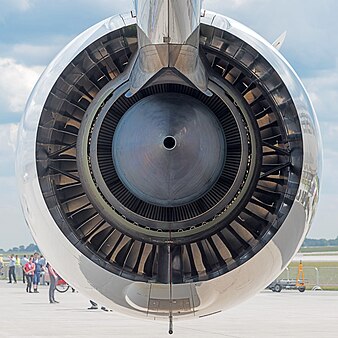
(33, 31)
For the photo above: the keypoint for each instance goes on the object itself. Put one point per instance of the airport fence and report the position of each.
(18, 272)
(325, 278)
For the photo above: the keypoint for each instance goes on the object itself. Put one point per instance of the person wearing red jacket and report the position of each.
(29, 269)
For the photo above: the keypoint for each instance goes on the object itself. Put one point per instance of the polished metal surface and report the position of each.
(278, 43)
(168, 37)
(197, 298)
(169, 149)
(164, 21)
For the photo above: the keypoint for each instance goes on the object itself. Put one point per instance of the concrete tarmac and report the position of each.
(286, 314)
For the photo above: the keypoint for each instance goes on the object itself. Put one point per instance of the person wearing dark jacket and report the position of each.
(37, 272)
(23, 262)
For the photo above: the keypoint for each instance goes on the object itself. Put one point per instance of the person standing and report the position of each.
(29, 269)
(23, 262)
(53, 277)
(1, 265)
(42, 262)
(37, 272)
(11, 272)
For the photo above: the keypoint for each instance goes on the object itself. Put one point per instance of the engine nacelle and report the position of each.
(167, 174)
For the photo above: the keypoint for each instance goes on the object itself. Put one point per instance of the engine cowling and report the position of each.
(182, 196)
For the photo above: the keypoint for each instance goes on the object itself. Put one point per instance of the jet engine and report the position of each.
(169, 162)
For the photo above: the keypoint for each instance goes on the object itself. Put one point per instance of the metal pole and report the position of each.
(317, 276)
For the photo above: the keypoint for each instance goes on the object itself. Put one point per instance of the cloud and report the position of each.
(322, 87)
(11, 216)
(10, 209)
(16, 83)
(234, 3)
(23, 5)
(323, 90)
(308, 45)
(329, 174)
(13, 5)
(8, 137)
(325, 223)
(8, 8)
(30, 35)
(39, 21)
(34, 54)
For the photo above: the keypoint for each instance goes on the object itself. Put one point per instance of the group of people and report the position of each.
(32, 268)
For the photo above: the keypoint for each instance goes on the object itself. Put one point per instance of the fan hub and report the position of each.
(169, 149)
